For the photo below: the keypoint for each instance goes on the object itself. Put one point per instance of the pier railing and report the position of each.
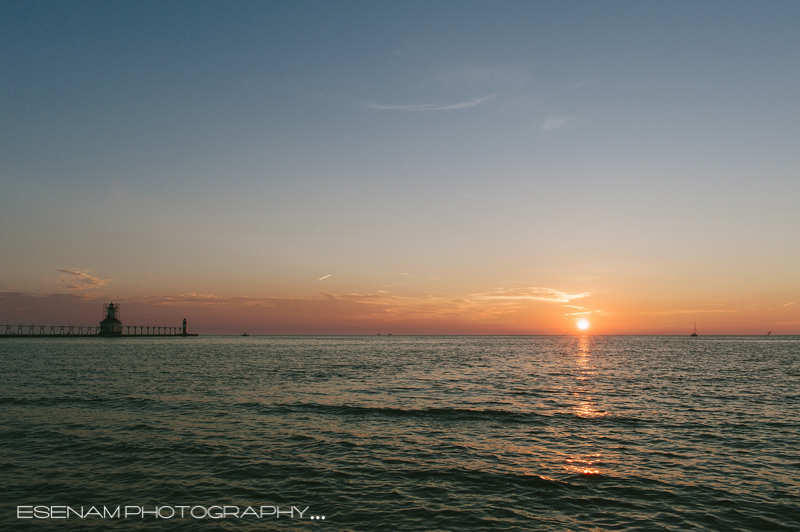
(80, 330)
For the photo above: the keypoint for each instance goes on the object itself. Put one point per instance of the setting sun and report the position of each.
(583, 325)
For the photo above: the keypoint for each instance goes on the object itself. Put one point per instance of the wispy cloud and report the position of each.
(352, 313)
(185, 298)
(81, 280)
(324, 277)
(429, 106)
(531, 293)
(575, 85)
(558, 122)
(350, 310)
(384, 306)
(681, 311)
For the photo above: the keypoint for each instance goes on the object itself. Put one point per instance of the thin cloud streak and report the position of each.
(429, 106)
(558, 122)
(531, 293)
(532, 310)
(81, 280)
(326, 313)
(378, 306)
(670, 312)
(187, 298)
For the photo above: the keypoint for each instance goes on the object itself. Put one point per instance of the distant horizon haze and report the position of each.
(365, 316)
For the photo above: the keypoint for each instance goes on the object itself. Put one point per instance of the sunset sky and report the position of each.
(402, 167)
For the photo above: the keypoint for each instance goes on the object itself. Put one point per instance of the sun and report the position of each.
(583, 325)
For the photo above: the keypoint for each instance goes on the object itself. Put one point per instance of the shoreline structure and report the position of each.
(110, 327)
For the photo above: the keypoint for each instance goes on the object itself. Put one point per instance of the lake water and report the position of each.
(400, 433)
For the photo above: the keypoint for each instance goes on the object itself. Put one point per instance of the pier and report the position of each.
(38, 331)
(111, 327)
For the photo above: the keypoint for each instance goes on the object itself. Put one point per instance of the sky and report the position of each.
(402, 167)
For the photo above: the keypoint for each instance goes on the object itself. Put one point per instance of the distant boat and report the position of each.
(245, 334)
(695, 329)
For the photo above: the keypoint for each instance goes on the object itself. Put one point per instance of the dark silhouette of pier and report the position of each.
(110, 327)
(38, 331)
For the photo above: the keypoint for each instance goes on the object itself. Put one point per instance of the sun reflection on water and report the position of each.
(586, 373)
(588, 409)
(583, 465)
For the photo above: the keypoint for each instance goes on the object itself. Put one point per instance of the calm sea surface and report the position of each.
(401, 433)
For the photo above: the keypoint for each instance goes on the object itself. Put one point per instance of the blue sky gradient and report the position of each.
(418, 149)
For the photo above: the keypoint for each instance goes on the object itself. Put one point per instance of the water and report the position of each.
(402, 433)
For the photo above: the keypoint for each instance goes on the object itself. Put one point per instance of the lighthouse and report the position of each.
(111, 326)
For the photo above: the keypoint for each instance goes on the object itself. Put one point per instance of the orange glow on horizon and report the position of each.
(381, 312)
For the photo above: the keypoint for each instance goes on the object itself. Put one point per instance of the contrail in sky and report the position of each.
(429, 106)
(321, 278)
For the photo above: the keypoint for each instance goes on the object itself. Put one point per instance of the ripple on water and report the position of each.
(411, 433)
